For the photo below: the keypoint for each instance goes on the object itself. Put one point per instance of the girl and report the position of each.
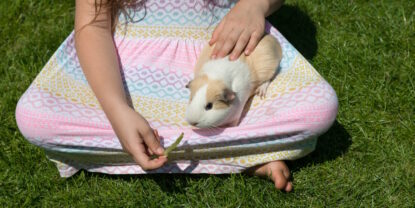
(119, 45)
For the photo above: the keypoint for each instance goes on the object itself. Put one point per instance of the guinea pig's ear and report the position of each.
(228, 95)
(188, 84)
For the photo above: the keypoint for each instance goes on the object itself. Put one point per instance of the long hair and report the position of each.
(116, 7)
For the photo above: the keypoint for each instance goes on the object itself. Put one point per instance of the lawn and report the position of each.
(365, 49)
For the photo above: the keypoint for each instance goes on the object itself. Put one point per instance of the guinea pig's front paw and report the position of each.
(261, 91)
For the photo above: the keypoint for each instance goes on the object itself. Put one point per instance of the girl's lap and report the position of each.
(60, 113)
(60, 100)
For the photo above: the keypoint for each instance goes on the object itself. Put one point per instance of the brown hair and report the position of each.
(115, 7)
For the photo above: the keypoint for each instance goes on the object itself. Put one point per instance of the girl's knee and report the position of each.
(326, 110)
(33, 125)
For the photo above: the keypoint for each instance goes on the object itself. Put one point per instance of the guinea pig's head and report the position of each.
(211, 103)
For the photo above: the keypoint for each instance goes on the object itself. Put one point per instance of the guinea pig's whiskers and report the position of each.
(211, 127)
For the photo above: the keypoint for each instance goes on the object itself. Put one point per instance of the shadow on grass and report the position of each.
(300, 31)
(298, 28)
(334, 143)
(171, 183)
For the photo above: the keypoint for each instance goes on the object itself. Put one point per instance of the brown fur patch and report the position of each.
(264, 60)
(215, 94)
(219, 104)
(197, 83)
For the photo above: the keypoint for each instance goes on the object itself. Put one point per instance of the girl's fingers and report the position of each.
(216, 32)
(253, 42)
(140, 156)
(150, 152)
(221, 40)
(219, 43)
(240, 46)
(156, 133)
(216, 49)
(229, 43)
(150, 140)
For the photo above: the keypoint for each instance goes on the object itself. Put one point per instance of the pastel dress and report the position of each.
(158, 49)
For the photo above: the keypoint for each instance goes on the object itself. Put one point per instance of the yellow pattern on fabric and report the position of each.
(52, 79)
(136, 31)
(253, 160)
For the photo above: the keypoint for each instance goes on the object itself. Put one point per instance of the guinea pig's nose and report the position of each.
(194, 123)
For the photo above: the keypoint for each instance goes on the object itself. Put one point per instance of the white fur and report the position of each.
(236, 76)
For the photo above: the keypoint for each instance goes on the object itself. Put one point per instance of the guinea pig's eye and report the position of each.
(208, 106)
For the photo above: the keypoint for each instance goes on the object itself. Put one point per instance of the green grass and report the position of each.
(365, 49)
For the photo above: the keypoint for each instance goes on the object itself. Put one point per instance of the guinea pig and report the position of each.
(221, 88)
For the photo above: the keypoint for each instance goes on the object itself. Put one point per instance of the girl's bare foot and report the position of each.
(277, 171)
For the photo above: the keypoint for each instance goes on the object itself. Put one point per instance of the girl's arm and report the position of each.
(242, 28)
(97, 55)
(99, 61)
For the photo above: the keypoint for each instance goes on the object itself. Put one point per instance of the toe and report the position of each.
(289, 187)
(279, 180)
(286, 172)
(287, 175)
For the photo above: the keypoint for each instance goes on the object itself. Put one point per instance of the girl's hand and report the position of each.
(137, 138)
(240, 30)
